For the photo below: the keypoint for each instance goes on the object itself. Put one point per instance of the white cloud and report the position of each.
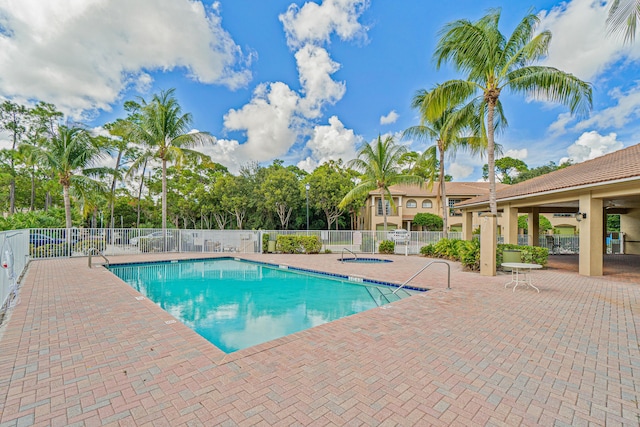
(459, 171)
(314, 23)
(269, 121)
(277, 116)
(389, 118)
(308, 164)
(315, 68)
(591, 145)
(81, 54)
(520, 154)
(624, 111)
(580, 43)
(333, 142)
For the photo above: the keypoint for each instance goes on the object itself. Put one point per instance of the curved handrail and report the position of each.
(342, 256)
(423, 269)
(91, 250)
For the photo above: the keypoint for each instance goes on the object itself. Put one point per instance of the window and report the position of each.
(412, 204)
(379, 209)
(452, 211)
(427, 204)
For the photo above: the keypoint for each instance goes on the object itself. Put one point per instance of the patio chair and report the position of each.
(552, 244)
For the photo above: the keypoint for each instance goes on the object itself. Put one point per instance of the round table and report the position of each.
(521, 268)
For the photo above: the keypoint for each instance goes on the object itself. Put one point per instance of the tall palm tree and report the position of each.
(623, 17)
(493, 64)
(122, 130)
(451, 129)
(379, 164)
(167, 132)
(69, 153)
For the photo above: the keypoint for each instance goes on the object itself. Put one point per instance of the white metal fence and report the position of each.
(61, 242)
(14, 248)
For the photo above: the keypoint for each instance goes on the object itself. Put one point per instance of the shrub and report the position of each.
(84, 245)
(468, 252)
(265, 243)
(387, 247)
(530, 254)
(428, 250)
(290, 244)
(51, 250)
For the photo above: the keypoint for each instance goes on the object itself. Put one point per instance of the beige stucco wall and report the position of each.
(630, 226)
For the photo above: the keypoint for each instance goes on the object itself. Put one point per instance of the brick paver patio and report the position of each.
(80, 349)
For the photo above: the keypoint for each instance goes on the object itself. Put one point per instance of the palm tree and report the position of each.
(69, 153)
(623, 17)
(451, 130)
(494, 64)
(166, 131)
(122, 130)
(379, 164)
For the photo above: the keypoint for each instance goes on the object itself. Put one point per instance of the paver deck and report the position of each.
(80, 349)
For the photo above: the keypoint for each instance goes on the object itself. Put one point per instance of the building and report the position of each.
(588, 191)
(410, 200)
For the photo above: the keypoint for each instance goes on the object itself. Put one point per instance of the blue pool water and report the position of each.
(237, 304)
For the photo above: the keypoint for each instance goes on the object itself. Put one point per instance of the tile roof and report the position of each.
(619, 165)
(468, 189)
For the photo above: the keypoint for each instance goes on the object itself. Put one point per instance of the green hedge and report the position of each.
(84, 245)
(468, 252)
(387, 247)
(530, 254)
(290, 244)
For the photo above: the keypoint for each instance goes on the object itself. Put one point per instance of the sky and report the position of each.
(307, 81)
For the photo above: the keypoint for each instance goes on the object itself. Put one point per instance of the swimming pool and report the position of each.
(237, 304)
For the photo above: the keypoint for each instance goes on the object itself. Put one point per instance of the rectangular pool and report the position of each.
(237, 304)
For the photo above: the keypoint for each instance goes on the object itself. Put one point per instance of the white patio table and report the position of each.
(518, 269)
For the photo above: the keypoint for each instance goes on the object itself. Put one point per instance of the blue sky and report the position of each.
(305, 81)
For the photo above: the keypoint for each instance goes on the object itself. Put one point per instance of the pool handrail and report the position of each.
(423, 269)
(92, 250)
(352, 253)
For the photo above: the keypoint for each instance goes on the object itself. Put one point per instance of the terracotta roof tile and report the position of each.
(468, 189)
(615, 166)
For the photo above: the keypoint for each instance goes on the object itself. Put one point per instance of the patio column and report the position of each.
(534, 227)
(591, 231)
(467, 225)
(488, 245)
(510, 224)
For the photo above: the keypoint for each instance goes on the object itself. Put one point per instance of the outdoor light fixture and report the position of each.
(580, 216)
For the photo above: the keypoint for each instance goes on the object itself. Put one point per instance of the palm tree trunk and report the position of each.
(32, 203)
(384, 209)
(67, 205)
(144, 169)
(443, 195)
(164, 194)
(491, 156)
(113, 187)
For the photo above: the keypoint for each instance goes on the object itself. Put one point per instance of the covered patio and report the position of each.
(589, 191)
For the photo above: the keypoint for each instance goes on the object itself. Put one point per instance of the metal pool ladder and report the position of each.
(423, 269)
(91, 251)
(352, 253)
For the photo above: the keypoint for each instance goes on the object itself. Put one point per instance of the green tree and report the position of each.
(623, 18)
(380, 169)
(431, 222)
(505, 168)
(328, 184)
(493, 64)
(537, 171)
(13, 118)
(69, 154)
(543, 223)
(281, 192)
(167, 132)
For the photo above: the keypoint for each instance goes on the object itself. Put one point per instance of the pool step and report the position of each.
(385, 295)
